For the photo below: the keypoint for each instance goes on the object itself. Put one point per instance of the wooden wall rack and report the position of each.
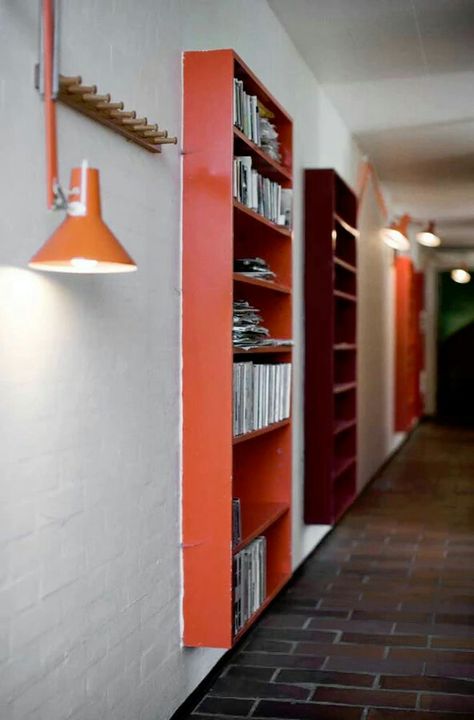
(84, 99)
(330, 346)
(256, 466)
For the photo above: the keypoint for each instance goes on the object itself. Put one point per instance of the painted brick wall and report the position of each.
(89, 378)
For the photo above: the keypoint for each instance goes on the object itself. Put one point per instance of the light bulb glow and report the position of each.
(459, 275)
(83, 264)
(428, 239)
(394, 239)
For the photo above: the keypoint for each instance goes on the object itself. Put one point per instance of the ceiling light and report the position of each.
(395, 236)
(428, 237)
(459, 275)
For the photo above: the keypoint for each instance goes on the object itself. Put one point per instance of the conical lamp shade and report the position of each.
(83, 243)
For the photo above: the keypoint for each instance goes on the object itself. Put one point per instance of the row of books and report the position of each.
(249, 581)
(246, 112)
(259, 193)
(236, 522)
(253, 119)
(261, 395)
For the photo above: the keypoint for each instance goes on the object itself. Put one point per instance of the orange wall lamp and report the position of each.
(395, 235)
(82, 243)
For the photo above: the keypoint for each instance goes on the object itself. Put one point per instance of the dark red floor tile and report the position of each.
(376, 714)
(266, 645)
(395, 667)
(340, 650)
(453, 643)
(233, 687)
(279, 661)
(404, 640)
(304, 711)
(369, 698)
(249, 671)
(225, 706)
(321, 677)
(295, 634)
(450, 703)
(434, 684)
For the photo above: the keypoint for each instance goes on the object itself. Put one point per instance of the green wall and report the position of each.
(456, 305)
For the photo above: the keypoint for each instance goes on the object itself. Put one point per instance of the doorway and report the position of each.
(455, 396)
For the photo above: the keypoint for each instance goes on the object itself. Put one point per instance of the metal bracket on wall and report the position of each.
(84, 99)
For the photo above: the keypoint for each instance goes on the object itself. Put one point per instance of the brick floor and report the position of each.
(377, 625)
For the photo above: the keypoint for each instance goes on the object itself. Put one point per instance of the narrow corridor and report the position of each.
(377, 625)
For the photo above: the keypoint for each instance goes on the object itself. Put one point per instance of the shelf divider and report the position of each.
(259, 282)
(257, 518)
(281, 229)
(262, 431)
(343, 387)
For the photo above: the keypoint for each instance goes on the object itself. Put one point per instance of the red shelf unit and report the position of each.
(408, 344)
(218, 467)
(330, 346)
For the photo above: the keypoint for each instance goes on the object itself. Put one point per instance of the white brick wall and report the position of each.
(89, 386)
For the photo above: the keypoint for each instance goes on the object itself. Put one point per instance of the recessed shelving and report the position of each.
(331, 352)
(261, 161)
(218, 467)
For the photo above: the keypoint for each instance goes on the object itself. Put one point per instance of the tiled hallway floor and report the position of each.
(378, 624)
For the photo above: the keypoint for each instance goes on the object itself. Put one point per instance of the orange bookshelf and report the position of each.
(217, 467)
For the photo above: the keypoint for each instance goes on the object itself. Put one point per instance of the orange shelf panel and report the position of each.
(260, 160)
(263, 431)
(258, 282)
(239, 207)
(265, 350)
(257, 518)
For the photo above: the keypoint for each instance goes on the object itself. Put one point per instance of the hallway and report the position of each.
(377, 625)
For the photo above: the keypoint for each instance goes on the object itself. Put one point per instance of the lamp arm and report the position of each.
(55, 197)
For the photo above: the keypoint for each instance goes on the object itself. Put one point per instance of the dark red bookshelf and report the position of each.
(330, 347)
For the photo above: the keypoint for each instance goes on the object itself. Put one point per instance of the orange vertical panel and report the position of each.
(405, 345)
(207, 348)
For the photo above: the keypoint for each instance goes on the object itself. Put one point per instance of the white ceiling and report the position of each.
(401, 74)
